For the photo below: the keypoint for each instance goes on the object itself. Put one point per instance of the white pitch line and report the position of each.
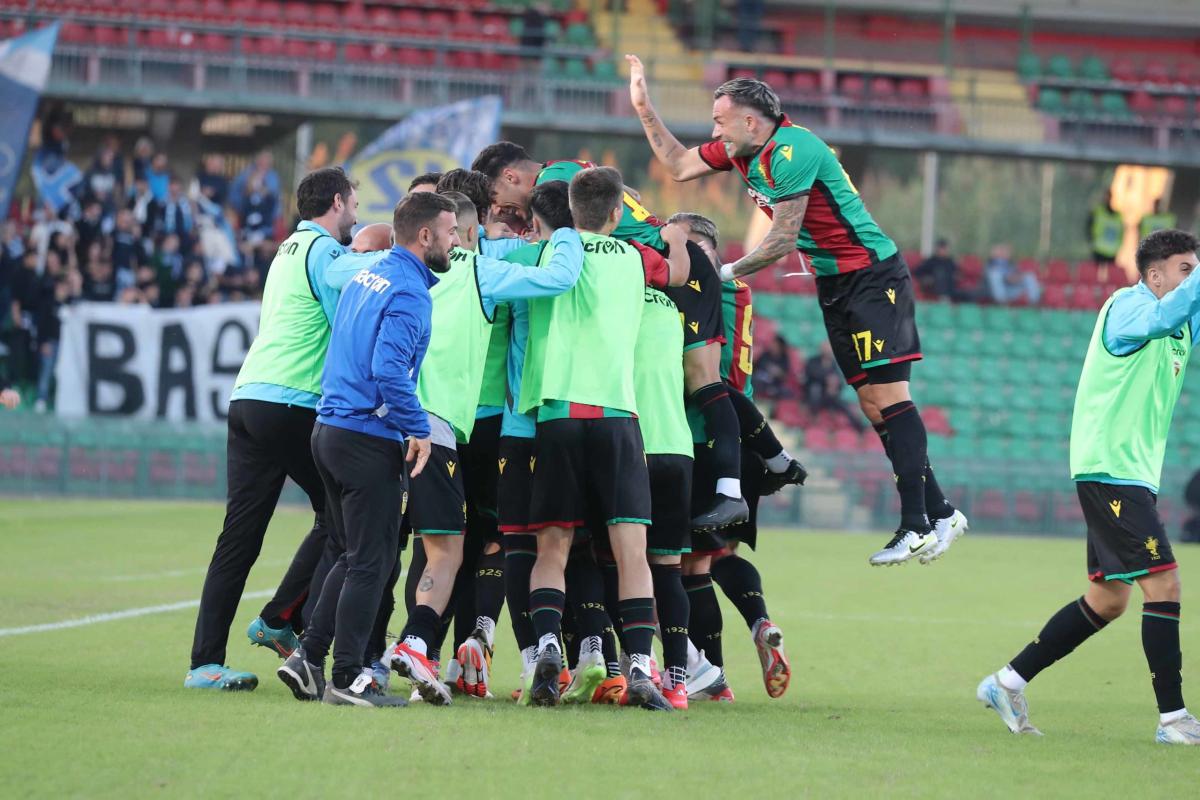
(113, 616)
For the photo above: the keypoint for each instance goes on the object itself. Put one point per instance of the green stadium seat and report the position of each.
(1093, 69)
(1082, 102)
(578, 34)
(1029, 66)
(1051, 100)
(1060, 66)
(1113, 104)
(516, 27)
(605, 71)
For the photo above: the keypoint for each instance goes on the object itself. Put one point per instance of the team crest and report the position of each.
(1152, 548)
(500, 463)
(450, 465)
(694, 285)
(1115, 505)
(891, 295)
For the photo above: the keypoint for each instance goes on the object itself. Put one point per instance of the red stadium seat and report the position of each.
(214, 10)
(743, 72)
(991, 505)
(382, 19)
(1142, 102)
(1123, 69)
(1176, 105)
(913, 88)
(1029, 265)
(1156, 72)
(882, 87)
(74, 33)
(108, 36)
(1058, 271)
(817, 439)
(265, 10)
(1055, 296)
(1084, 297)
(1086, 273)
(805, 82)
(1028, 507)
(847, 440)
(777, 78)
(327, 14)
(790, 413)
(1187, 72)
(852, 85)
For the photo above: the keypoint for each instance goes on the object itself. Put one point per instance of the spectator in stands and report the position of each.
(99, 282)
(143, 155)
(211, 181)
(1005, 283)
(104, 181)
(823, 383)
(168, 267)
(89, 229)
(126, 252)
(771, 370)
(55, 293)
(258, 207)
(1105, 230)
(533, 30)
(938, 274)
(158, 177)
(26, 288)
(178, 216)
(263, 170)
(146, 210)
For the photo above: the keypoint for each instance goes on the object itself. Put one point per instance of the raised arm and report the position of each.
(682, 163)
(780, 240)
(503, 280)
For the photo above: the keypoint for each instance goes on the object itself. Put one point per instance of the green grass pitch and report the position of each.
(882, 698)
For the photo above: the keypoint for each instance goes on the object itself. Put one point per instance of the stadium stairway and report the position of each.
(642, 29)
(995, 106)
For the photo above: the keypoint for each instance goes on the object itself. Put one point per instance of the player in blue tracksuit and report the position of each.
(368, 410)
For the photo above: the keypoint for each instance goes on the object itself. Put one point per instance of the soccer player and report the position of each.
(514, 173)
(863, 285)
(1132, 377)
(425, 183)
(368, 410)
(588, 450)
(464, 304)
(714, 555)
(271, 414)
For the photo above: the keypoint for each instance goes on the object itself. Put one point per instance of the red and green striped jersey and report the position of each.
(737, 354)
(636, 225)
(838, 234)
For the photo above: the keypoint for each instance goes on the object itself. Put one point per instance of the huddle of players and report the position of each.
(585, 474)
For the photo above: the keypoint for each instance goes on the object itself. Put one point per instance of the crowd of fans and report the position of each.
(129, 230)
(1003, 283)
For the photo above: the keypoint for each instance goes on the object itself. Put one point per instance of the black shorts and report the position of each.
(479, 477)
(437, 503)
(670, 504)
(1125, 536)
(514, 485)
(870, 317)
(699, 302)
(589, 469)
(704, 487)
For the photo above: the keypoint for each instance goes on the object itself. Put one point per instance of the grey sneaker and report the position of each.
(304, 679)
(903, 546)
(947, 531)
(1010, 705)
(362, 692)
(1185, 730)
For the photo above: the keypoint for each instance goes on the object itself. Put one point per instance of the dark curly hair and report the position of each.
(1162, 245)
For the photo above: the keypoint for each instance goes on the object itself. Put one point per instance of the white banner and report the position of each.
(136, 361)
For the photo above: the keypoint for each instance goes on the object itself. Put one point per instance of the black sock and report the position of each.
(546, 611)
(721, 425)
(1066, 630)
(585, 594)
(741, 583)
(570, 637)
(1160, 640)
(637, 624)
(936, 504)
(756, 431)
(907, 448)
(672, 603)
(439, 639)
(489, 585)
(520, 553)
(704, 616)
(423, 623)
(612, 661)
(612, 597)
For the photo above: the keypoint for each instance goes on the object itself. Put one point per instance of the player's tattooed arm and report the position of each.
(780, 240)
(682, 163)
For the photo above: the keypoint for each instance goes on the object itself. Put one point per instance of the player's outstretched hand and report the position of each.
(639, 95)
(418, 452)
(675, 235)
(498, 230)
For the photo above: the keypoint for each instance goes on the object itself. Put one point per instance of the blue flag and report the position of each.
(24, 68)
(431, 140)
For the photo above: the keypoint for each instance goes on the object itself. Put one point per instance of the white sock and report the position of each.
(694, 655)
(640, 662)
(730, 487)
(488, 626)
(528, 657)
(417, 643)
(1010, 680)
(1171, 716)
(779, 462)
(549, 640)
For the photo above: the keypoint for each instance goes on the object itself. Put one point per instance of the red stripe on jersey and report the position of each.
(764, 163)
(584, 164)
(828, 233)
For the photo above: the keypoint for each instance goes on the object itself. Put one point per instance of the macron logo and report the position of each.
(372, 281)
